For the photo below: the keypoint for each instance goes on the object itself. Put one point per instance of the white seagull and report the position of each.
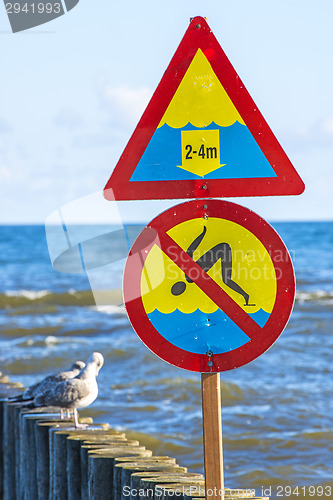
(77, 392)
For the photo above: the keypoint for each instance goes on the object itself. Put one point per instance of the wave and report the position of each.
(25, 298)
(183, 390)
(317, 296)
(192, 124)
(106, 301)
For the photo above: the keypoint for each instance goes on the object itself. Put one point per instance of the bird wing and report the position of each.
(47, 383)
(33, 390)
(64, 394)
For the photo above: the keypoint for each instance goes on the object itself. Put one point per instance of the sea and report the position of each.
(277, 411)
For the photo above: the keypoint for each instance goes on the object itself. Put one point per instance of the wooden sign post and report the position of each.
(212, 435)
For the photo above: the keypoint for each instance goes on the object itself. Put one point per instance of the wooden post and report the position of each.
(7, 389)
(123, 470)
(149, 483)
(97, 475)
(74, 443)
(9, 452)
(43, 459)
(174, 490)
(27, 487)
(212, 435)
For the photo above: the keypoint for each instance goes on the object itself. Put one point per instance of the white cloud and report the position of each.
(316, 136)
(68, 118)
(5, 127)
(4, 174)
(125, 103)
(327, 126)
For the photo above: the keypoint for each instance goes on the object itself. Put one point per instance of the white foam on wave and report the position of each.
(29, 294)
(110, 309)
(51, 339)
(318, 295)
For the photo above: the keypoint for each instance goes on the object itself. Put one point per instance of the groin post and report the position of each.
(100, 470)
(45, 458)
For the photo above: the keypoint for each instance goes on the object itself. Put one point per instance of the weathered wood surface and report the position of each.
(45, 458)
(123, 471)
(148, 484)
(74, 444)
(212, 434)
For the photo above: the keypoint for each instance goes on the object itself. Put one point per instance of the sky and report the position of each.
(73, 90)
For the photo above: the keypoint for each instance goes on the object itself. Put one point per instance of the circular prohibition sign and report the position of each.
(208, 285)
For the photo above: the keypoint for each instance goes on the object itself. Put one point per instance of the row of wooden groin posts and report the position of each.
(45, 458)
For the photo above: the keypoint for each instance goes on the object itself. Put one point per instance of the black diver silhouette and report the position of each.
(222, 252)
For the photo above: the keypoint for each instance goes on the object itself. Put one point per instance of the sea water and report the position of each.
(277, 411)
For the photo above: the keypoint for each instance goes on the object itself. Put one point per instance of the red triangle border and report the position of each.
(287, 180)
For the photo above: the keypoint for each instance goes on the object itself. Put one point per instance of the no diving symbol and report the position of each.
(220, 252)
(208, 289)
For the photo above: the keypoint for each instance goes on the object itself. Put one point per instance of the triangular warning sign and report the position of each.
(202, 135)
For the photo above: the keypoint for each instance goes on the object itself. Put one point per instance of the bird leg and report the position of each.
(76, 421)
(68, 414)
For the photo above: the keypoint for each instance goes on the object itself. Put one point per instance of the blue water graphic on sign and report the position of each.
(200, 332)
(238, 151)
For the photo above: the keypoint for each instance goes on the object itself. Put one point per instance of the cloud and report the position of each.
(317, 135)
(68, 118)
(125, 104)
(94, 139)
(5, 127)
(4, 174)
(327, 126)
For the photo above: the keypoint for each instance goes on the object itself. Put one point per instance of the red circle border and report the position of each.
(284, 296)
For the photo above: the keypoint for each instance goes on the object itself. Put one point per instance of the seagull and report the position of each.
(77, 392)
(49, 382)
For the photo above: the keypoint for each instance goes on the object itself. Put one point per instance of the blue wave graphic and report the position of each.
(199, 332)
(239, 152)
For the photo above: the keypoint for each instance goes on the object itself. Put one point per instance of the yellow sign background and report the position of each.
(252, 269)
(200, 99)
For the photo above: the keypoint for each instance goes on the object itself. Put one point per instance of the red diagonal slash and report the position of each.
(208, 285)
